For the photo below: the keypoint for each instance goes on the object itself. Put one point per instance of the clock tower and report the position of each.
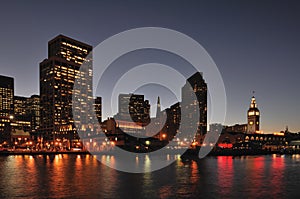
(253, 117)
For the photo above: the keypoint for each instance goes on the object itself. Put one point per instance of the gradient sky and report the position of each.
(255, 44)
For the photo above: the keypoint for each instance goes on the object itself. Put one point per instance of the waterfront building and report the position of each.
(133, 107)
(6, 106)
(253, 115)
(57, 77)
(26, 113)
(6, 96)
(33, 104)
(237, 128)
(98, 108)
(194, 107)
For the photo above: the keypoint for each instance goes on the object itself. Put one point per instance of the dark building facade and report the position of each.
(27, 113)
(57, 77)
(33, 104)
(6, 106)
(98, 108)
(194, 106)
(6, 96)
(21, 108)
(133, 107)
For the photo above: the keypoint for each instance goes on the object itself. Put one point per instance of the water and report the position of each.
(72, 176)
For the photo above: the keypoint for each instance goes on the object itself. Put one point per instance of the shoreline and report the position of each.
(12, 153)
(183, 156)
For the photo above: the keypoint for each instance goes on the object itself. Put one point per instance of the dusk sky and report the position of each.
(255, 44)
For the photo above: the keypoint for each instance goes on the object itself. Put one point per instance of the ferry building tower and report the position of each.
(253, 117)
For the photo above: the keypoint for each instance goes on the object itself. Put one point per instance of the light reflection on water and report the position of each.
(82, 176)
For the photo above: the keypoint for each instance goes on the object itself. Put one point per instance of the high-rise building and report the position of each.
(194, 105)
(33, 110)
(6, 106)
(57, 77)
(98, 108)
(21, 107)
(6, 96)
(27, 113)
(253, 117)
(133, 107)
(22, 117)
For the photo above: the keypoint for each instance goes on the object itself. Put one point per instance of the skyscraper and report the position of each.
(6, 96)
(253, 117)
(98, 108)
(33, 104)
(22, 117)
(20, 107)
(194, 104)
(57, 77)
(133, 107)
(6, 106)
(27, 112)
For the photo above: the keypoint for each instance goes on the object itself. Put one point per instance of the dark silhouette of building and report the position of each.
(6, 96)
(98, 108)
(57, 77)
(133, 107)
(21, 107)
(33, 104)
(237, 128)
(6, 106)
(194, 104)
(22, 117)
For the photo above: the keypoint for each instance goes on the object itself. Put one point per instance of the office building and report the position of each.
(6, 106)
(57, 77)
(98, 108)
(194, 105)
(133, 107)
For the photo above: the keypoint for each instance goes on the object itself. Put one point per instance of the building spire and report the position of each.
(158, 108)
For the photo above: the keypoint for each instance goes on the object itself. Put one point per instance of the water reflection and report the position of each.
(72, 176)
(225, 175)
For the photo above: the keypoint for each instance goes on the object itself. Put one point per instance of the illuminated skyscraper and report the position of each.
(33, 104)
(133, 107)
(57, 78)
(253, 117)
(20, 107)
(27, 113)
(6, 96)
(6, 106)
(194, 104)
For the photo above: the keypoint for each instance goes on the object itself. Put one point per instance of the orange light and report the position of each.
(278, 133)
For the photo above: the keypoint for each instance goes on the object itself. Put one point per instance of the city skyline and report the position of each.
(253, 52)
